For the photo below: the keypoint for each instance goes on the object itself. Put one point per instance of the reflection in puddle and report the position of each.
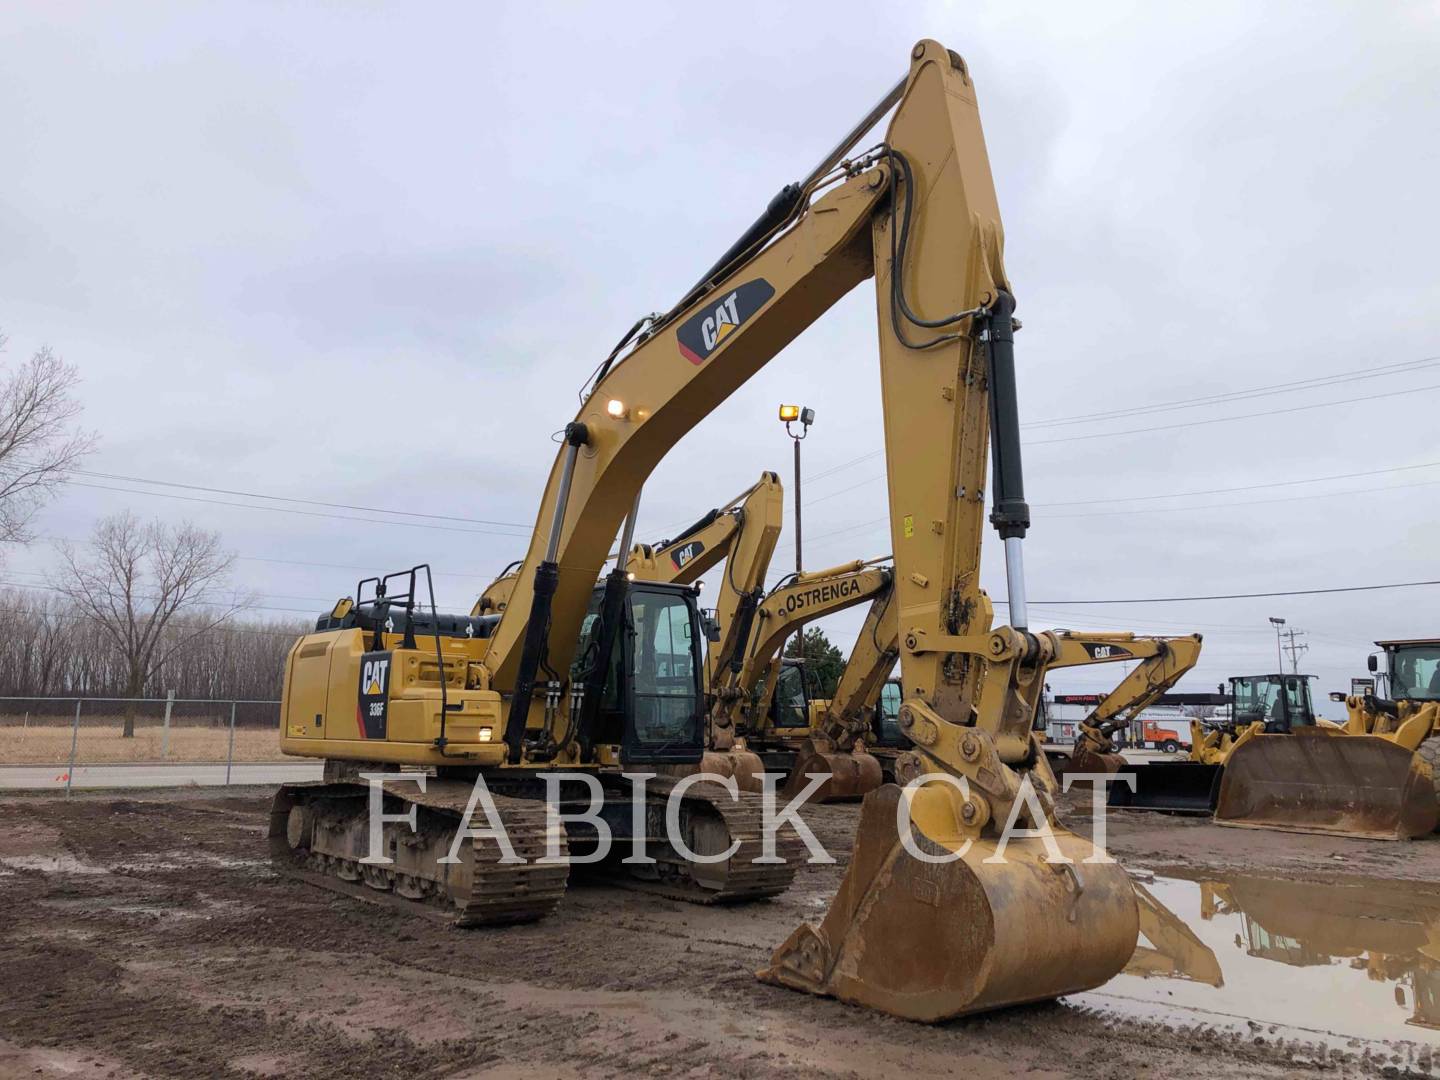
(1353, 966)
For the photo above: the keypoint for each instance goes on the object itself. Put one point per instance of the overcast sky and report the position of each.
(366, 254)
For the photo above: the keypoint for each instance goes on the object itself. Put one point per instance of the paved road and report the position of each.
(52, 777)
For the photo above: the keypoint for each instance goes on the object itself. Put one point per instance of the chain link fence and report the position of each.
(71, 733)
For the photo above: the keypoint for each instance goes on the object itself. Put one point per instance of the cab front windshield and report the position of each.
(1276, 701)
(1415, 673)
(660, 644)
(888, 708)
(791, 705)
(665, 658)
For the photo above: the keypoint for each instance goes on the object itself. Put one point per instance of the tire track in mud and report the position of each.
(184, 955)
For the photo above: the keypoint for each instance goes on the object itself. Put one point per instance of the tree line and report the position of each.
(50, 647)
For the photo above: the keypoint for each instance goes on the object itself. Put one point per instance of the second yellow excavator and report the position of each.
(759, 711)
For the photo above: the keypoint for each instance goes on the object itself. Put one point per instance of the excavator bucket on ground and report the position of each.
(1175, 787)
(930, 940)
(1323, 781)
(848, 776)
(1084, 758)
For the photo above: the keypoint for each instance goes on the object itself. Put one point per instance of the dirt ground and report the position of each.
(146, 936)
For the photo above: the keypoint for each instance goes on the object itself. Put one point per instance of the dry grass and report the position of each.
(103, 743)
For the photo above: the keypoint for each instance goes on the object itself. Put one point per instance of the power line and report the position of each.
(1213, 399)
(1187, 494)
(290, 510)
(1231, 419)
(363, 569)
(1236, 596)
(1316, 382)
(292, 499)
(1249, 502)
(1205, 506)
(1245, 487)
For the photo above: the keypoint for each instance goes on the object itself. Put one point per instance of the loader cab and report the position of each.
(651, 706)
(1281, 702)
(1414, 669)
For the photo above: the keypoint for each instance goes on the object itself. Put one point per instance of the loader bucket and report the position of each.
(1172, 787)
(1315, 781)
(929, 941)
(848, 776)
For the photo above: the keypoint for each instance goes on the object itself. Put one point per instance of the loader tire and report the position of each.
(1429, 750)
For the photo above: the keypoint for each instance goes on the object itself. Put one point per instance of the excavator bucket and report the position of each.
(929, 940)
(847, 776)
(1316, 780)
(1174, 787)
(1083, 759)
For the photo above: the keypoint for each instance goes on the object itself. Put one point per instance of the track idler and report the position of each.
(847, 776)
(929, 941)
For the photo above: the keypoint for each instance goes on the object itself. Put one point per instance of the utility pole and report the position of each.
(1295, 649)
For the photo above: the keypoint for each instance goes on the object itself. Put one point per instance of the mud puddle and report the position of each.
(1353, 967)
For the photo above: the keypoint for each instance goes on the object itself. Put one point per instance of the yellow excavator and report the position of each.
(739, 536)
(753, 696)
(763, 698)
(1160, 662)
(743, 668)
(1375, 776)
(931, 920)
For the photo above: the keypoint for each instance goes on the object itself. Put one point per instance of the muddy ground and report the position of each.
(146, 936)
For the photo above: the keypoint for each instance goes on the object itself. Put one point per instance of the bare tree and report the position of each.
(152, 589)
(39, 440)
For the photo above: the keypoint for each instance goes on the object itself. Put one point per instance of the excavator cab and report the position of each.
(652, 705)
(790, 704)
(886, 724)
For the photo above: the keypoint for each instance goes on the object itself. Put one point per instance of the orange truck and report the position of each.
(1171, 736)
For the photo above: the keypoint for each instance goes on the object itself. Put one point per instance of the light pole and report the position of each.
(1279, 658)
(791, 414)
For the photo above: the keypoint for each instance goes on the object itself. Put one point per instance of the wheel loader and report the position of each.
(1375, 776)
(930, 921)
(1274, 703)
